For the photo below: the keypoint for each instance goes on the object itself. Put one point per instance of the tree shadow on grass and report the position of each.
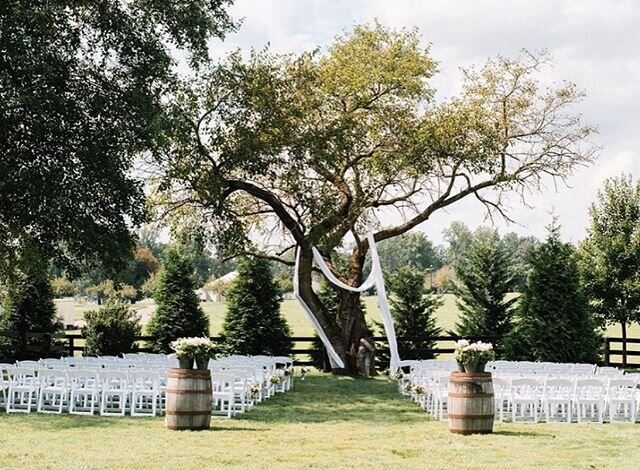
(332, 398)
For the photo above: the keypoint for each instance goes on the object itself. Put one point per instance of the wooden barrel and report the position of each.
(471, 405)
(188, 399)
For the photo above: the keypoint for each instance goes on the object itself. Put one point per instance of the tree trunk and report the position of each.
(624, 344)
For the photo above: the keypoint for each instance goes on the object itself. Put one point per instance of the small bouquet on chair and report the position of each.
(473, 357)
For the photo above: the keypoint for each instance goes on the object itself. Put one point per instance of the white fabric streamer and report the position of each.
(375, 279)
(334, 358)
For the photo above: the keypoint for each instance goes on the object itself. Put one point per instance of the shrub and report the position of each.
(28, 308)
(178, 314)
(111, 330)
(63, 287)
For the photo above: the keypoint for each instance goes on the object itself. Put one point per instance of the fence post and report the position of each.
(607, 351)
(71, 345)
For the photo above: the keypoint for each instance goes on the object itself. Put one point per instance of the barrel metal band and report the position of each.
(470, 416)
(188, 413)
(470, 395)
(178, 391)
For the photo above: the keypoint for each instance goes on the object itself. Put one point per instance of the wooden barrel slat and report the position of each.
(188, 399)
(470, 403)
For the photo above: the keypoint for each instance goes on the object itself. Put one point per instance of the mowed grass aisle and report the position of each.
(327, 422)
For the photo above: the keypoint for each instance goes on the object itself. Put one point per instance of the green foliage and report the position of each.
(413, 313)
(111, 330)
(484, 280)
(253, 323)
(412, 249)
(62, 287)
(148, 289)
(610, 255)
(83, 92)
(554, 320)
(138, 270)
(178, 313)
(28, 308)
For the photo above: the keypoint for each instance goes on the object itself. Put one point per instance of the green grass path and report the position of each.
(326, 422)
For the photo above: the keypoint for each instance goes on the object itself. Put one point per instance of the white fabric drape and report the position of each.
(375, 279)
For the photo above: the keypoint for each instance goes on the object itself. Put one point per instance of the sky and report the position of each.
(594, 43)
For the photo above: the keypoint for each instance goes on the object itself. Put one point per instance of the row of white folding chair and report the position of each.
(563, 398)
(81, 391)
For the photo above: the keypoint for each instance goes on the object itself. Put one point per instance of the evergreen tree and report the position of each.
(554, 319)
(28, 308)
(484, 280)
(253, 324)
(413, 313)
(178, 312)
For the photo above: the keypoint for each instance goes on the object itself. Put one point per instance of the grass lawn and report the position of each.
(326, 422)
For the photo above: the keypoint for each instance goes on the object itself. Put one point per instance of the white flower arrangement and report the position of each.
(275, 379)
(473, 356)
(303, 373)
(189, 348)
(254, 391)
(419, 389)
(407, 387)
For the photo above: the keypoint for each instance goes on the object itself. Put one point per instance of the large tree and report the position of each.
(317, 146)
(610, 255)
(82, 87)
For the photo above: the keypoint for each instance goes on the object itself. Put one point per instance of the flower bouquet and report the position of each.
(254, 391)
(473, 357)
(190, 349)
(419, 390)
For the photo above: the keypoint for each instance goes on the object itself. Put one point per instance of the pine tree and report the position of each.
(484, 280)
(413, 313)
(253, 323)
(554, 319)
(29, 308)
(178, 312)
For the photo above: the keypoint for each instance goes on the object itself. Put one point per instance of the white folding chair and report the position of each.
(622, 397)
(53, 390)
(557, 400)
(223, 386)
(589, 400)
(23, 390)
(501, 391)
(525, 399)
(145, 390)
(85, 389)
(114, 390)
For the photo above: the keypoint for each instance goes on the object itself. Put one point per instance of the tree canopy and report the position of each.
(610, 255)
(82, 86)
(323, 144)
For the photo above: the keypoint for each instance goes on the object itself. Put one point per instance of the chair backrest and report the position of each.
(589, 389)
(83, 378)
(558, 388)
(30, 364)
(142, 379)
(114, 378)
(622, 389)
(52, 378)
(21, 376)
(524, 387)
(222, 381)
